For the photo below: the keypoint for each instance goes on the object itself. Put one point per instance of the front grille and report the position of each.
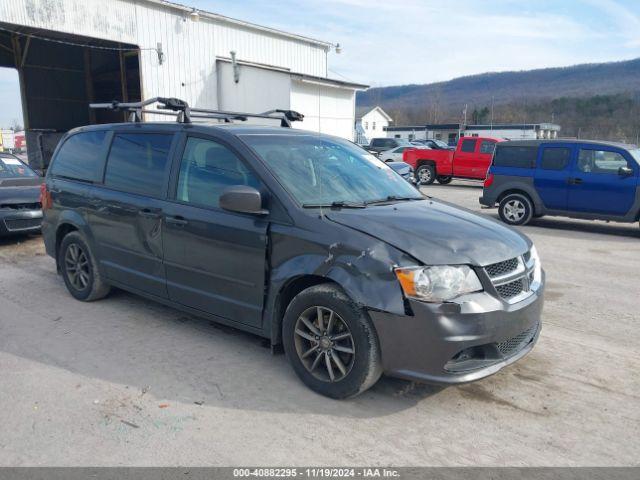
(22, 223)
(512, 277)
(511, 289)
(515, 344)
(502, 268)
(20, 206)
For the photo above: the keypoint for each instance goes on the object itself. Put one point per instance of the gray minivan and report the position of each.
(304, 239)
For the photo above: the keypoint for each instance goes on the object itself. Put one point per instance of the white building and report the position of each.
(69, 53)
(371, 125)
(450, 132)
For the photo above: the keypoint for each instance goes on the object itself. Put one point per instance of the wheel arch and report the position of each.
(71, 221)
(527, 190)
(287, 293)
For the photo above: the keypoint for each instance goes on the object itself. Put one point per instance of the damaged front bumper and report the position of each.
(451, 343)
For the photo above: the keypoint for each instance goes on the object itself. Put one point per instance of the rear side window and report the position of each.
(468, 146)
(487, 146)
(79, 157)
(555, 158)
(137, 162)
(518, 157)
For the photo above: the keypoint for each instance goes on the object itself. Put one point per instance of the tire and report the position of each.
(426, 174)
(75, 256)
(353, 372)
(516, 209)
(443, 180)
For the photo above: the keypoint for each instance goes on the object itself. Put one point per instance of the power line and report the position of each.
(75, 44)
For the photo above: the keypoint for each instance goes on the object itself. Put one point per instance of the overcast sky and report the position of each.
(421, 41)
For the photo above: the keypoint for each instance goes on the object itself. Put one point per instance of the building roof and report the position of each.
(456, 126)
(364, 112)
(535, 143)
(242, 23)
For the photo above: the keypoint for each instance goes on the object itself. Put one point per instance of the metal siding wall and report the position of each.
(190, 50)
(326, 109)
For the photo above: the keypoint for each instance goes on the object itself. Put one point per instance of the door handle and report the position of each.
(148, 213)
(177, 220)
(574, 181)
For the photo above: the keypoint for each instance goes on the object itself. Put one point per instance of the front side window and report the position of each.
(487, 146)
(600, 161)
(468, 146)
(11, 167)
(321, 171)
(137, 162)
(206, 169)
(79, 157)
(555, 158)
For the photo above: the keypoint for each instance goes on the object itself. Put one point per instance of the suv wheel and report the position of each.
(426, 174)
(516, 209)
(331, 342)
(78, 267)
(443, 180)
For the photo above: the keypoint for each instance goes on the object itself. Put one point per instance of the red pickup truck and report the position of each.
(470, 159)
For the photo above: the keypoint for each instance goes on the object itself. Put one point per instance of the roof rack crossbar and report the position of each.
(184, 113)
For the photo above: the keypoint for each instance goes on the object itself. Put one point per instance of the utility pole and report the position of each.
(492, 99)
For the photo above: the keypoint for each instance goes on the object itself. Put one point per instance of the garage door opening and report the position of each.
(59, 75)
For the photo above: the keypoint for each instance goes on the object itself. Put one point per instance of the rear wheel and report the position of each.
(79, 270)
(331, 342)
(444, 180)
(515, 209)
(426, 174)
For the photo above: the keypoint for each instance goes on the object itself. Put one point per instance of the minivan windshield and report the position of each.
(321, 171)
(11, 167)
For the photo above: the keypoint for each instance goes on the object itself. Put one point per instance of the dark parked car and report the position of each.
(20, 210)
(571, 178)
(379, 145)
(302, 238)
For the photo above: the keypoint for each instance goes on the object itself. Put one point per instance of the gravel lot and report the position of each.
(125, 381)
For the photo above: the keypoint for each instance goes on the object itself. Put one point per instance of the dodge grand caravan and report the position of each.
(302, 238)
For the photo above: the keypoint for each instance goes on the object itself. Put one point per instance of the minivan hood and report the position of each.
(436, 232)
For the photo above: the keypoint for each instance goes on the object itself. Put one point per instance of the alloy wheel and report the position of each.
(324, 344)
(425, 175)
(76, 264)
(514, 210)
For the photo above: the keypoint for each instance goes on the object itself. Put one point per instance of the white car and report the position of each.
(395, 154)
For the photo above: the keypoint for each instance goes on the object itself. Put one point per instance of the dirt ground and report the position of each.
(125, 381)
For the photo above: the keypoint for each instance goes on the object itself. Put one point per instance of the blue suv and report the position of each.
(571, 178)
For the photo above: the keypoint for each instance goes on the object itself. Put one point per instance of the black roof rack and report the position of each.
(184, 113)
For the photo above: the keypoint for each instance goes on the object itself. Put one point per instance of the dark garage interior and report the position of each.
(60, 75)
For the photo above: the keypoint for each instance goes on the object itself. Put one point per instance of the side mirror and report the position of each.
(242, 199)
(625, 171)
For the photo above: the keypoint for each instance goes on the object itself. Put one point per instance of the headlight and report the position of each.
(438, 283)
(537, 271)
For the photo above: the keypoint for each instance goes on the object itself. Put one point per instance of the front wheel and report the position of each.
(444, 180)
(516, 209)
(331, 342)
(426, 174)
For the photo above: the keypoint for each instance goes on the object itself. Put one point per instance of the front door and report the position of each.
(214, 260)
(598, 184)
(553, 170)
(464, 158)
(126, 213)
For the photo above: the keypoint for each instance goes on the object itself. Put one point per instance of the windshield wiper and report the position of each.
(392, 198)
(336, 204)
